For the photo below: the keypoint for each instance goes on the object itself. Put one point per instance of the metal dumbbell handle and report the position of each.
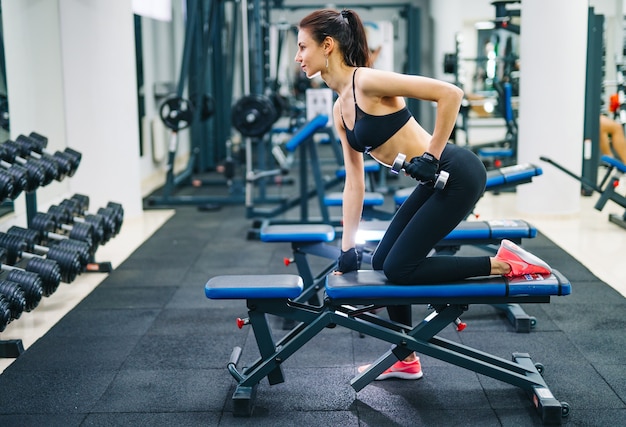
(441, 179)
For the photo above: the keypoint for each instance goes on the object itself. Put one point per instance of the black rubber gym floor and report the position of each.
(147, 348)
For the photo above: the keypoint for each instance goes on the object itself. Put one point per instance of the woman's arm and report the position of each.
(354, 186)
(380, 84)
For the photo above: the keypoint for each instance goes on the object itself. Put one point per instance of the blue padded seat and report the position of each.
(496, 152)
(369, 166)
(306, 131)
(271, 286)
(612, 161)
(509, 175)
(512, 174)
(371, 199)
(399, 196)
(297, 233)
(493, 229)
(373, 231)
(372, 284)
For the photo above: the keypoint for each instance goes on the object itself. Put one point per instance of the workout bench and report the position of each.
(277, 294)
(315, 239)
(501, 179)
(609, 190)
(606, 188)
(498, 180)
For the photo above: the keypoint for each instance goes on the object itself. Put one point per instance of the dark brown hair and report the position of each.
(346, 28)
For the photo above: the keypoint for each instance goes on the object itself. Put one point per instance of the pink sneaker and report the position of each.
(401, 369)
(522, 262)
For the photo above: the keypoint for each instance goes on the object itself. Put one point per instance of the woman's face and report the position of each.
(310, 54)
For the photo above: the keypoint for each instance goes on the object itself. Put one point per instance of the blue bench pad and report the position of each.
(496, 152)
(270, 286)
(512, 174)
(504, 176)
(297, 233)
(369, 166)
(373, 231)
(372, 284)
(371, 199)
(306, 131)
(615, 163)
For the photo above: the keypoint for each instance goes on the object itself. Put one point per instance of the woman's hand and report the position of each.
(349, 260)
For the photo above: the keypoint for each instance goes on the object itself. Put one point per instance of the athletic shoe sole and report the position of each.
(400, 375)
(525, 256)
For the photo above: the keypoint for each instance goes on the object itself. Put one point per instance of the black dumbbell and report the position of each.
(7, 185)
(35, 244)
(48, 271)
(68, 261)
(107, 218)
(35, 172)
(5, 312)
(112, 210)
(64, 215)
(31, 285)
(69, 155)
(52, 229)
(15, 295)
(48, 165)
(30, 282)
(55, 169)
(441, 179)
(19, 175)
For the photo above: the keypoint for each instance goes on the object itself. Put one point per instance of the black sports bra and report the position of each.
(370, 131)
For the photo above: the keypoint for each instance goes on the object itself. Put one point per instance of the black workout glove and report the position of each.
(423, 168)
(349, 260)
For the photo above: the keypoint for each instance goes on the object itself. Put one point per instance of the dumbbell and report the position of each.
(441, 179)
(30, 148)
(5, 312)
(7, 185)
(68, 261)
(63, 215)
(19, 175)
(35, 244)
(48, 271)
(50, 227)
(69, 155)
(30, 282)
(15, 296)
(112, 209)
(35, 172)
(111, 217)
(49, 166)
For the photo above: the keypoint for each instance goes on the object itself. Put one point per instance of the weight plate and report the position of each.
(176, 113)
(254, 115)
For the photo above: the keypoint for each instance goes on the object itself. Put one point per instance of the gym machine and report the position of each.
(502, 81)
(205, 67)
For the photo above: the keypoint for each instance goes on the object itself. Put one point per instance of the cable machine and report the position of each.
(206, 68)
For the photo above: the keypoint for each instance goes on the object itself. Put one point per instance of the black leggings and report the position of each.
(426, 217)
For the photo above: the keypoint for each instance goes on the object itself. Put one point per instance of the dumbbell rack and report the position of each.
(13, 348)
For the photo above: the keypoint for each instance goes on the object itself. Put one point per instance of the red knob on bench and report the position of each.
(287, 261)
(460, 325)
(241, 322)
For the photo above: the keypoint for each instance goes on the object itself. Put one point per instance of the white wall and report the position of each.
(32, 44)
(548, 125)
(71, 76)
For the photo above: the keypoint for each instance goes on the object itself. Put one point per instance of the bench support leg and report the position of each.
(11, 349)
(522, 372)
(521, 321)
